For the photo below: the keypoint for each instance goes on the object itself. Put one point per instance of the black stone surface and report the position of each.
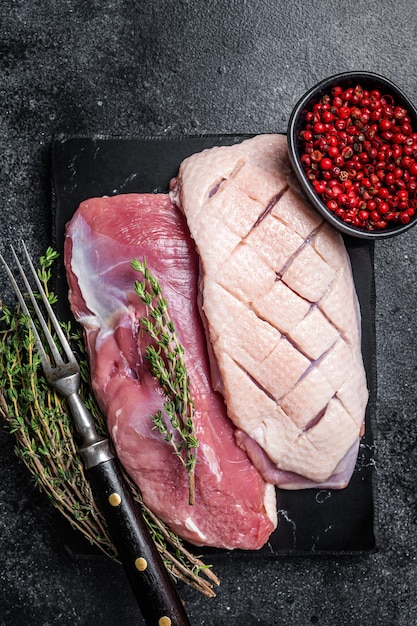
(176, 69)
(310, 520)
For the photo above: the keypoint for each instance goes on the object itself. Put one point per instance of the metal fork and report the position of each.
(154, 591)
(63, 375)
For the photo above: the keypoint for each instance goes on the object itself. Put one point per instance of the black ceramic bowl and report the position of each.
(345, 80)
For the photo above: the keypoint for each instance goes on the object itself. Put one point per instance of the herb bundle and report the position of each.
(166, 360)
(42, 426)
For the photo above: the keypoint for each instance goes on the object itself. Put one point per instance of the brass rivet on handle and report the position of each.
(114, 499)
(164, 621)
(141, 564)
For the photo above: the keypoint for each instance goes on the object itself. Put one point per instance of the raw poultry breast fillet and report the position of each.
(280, 311)
(234, 507)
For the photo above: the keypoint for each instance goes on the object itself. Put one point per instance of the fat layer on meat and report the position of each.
(280, 312)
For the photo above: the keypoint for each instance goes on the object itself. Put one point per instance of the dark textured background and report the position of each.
(179, 68)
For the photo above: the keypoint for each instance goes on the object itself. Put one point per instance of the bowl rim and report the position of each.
(316, 92)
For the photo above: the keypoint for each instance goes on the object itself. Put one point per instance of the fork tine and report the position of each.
(54, 350)
(63, 340)
(52, 345)
(25, 310)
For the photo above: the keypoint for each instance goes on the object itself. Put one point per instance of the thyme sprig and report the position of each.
(166, 362)
(42, 427)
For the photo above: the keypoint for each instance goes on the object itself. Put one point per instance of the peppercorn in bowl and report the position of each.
(353, 146)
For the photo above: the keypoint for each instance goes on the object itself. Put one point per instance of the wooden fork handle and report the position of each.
(151, 584)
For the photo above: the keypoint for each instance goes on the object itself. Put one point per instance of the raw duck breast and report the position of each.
(234, 507)
(281, 313)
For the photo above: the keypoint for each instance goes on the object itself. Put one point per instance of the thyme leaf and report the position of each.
(166, 363)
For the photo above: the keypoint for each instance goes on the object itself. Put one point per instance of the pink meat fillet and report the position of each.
(280, 312)
(234, 506)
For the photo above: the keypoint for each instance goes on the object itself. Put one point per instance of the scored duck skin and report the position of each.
(280, 311)
(234, 507)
